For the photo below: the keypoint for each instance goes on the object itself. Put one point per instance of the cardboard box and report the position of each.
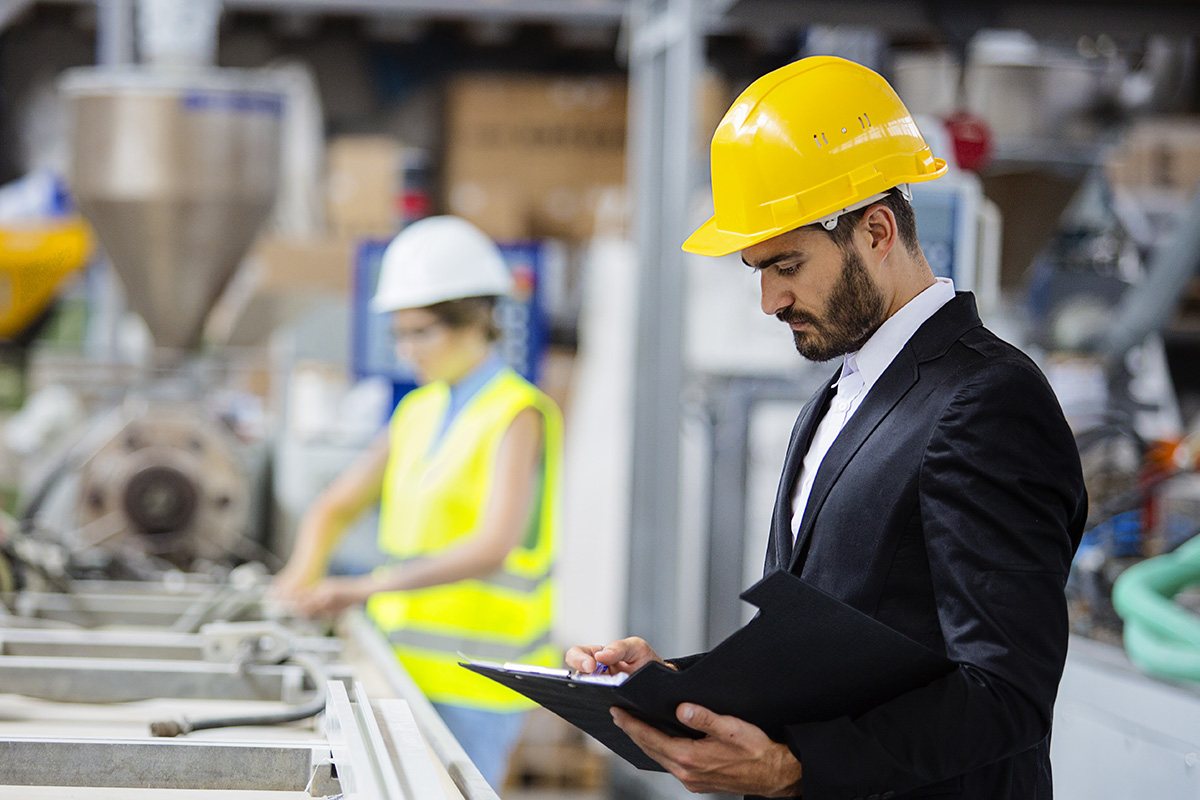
(280, 280)
(531, 156)
(1161, 153)
(364, 186)
(322, 265)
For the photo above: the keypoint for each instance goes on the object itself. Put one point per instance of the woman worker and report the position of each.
(467, 475)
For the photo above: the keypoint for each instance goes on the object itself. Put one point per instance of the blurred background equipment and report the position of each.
(192, 203)
(36, 259)
(175, 164)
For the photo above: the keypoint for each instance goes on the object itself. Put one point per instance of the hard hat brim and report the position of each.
(709, 240)
(386, 305)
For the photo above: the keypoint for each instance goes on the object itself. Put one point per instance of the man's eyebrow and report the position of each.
(773, 260)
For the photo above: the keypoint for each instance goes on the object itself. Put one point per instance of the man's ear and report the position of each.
(879, 225)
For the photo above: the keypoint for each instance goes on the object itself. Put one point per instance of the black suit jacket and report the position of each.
(949, 508)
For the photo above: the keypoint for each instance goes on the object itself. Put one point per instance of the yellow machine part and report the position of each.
(35, 261)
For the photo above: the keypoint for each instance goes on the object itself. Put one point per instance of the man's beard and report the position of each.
(854, 312)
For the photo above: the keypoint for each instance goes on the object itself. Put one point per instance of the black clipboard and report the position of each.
(806, 657)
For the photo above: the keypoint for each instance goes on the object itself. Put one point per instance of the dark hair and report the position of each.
(906, 223)
(467, 312)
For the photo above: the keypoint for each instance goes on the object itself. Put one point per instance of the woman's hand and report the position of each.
(293, 582)
(333, 595)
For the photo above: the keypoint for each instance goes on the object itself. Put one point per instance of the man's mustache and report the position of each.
(791, 316)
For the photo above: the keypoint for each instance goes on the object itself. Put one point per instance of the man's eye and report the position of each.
(790, 269)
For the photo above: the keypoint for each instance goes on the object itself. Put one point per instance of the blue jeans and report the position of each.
(488, 737)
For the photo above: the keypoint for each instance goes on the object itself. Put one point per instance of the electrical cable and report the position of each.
(314, 671)
(30, 511)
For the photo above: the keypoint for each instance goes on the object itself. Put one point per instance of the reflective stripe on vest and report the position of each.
(433, 498)
(501, 578)
(474, 648)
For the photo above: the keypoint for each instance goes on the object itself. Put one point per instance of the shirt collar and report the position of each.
(886, 343)
(466, 388)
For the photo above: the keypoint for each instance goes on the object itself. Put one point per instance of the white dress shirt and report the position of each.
(860, 371)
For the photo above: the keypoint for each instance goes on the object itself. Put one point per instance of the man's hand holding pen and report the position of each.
(734, 756)
(624, 655)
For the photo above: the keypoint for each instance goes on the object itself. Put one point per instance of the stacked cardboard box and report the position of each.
(536, 156)
(1160, 153)
(530, 156)
(364, 186)
(279, 281)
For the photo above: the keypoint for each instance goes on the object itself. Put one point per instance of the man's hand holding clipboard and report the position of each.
(731, 755)
(718, 721)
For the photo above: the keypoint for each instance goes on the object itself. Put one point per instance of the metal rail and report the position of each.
(155, 645)
(159, 764)
(111, 680)
(367, 750)
(449, 752)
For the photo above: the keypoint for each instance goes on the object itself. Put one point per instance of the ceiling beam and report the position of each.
(10, 10)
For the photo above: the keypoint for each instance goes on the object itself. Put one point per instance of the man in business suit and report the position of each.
(932, 484)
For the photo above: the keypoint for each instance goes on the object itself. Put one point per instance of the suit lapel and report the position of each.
(892, 385)
(930, 341)
(802, 433)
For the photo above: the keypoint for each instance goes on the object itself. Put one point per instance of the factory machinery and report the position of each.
(239, 699)
(175, 170)
(186, 678)
(175, 164)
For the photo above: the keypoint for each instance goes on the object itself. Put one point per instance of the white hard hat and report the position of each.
(438, 259)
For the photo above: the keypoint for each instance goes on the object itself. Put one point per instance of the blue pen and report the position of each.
(599, 670)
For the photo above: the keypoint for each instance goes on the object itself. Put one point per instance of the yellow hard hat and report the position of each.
(803, 144)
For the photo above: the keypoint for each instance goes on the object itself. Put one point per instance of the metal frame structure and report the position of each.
(375, 749)
(158, 764)
(449, 752)
(372, 748)
(125, 680)
(908, 17)
(731, 404)
(665, 54)
(160, 646)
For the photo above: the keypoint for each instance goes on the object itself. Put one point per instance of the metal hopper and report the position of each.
(176, 171)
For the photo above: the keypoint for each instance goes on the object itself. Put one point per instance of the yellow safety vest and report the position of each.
(433, 497)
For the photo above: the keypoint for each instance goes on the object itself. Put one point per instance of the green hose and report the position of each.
(1161, 637)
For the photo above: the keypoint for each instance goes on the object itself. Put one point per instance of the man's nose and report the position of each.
(775, 297)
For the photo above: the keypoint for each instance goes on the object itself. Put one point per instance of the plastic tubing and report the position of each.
(1161, 637)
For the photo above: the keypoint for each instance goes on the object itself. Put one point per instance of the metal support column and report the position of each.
(114, 33)
(114, 48)
(665, 52)
(664, 58)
